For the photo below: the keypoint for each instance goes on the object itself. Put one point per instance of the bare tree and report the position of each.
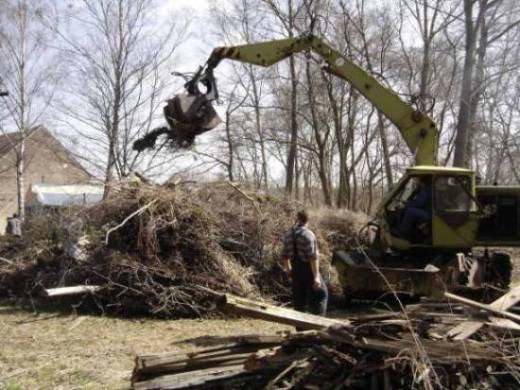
(287, 15)
(30, 73)
(493, 20)
(118, 65)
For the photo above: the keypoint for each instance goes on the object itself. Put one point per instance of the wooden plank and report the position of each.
(375, 317)
(468, 328)
(482, 306)
(184, 380)
(253, 342)
(464, 330)
(280, 315)
(505, 302)
(72, 290)
(438, 350)
(193, 364)
(503, 323)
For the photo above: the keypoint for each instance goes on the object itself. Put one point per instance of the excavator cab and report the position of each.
(429, 217)
(430, 207)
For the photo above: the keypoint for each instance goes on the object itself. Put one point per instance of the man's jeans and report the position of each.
(305, 297)
(413, 216)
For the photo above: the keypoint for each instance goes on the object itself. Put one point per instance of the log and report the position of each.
(72, 290)
(277, 314)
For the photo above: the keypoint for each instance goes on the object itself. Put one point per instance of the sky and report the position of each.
(194, 50)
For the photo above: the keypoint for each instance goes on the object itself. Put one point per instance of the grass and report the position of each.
(56, 351)
(53, 350)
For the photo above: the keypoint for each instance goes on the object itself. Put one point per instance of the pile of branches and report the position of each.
(409, 350)
(159, 250)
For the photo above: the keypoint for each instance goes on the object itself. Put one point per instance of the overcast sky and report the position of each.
(196, 48)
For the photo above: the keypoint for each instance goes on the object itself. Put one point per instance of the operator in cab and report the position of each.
(418, 207)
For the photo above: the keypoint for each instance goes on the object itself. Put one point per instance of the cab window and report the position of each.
(452, 194)
(403, 194)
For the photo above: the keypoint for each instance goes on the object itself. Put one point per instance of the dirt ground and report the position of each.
(57, 351)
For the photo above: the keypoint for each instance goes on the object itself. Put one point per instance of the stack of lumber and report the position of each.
(456, 343)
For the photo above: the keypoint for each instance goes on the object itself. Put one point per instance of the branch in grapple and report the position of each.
(187, 117)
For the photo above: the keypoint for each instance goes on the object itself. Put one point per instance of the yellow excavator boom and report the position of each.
(417, 128)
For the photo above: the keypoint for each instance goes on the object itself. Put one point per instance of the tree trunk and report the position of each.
(321, 142)
(109, 172)
(386, 151)
(293, 142)
(20, 179)
(461, 158)
(258, 128)
(291, 155)
(478, 84)
(230, 146)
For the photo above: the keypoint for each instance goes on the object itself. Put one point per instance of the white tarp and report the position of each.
(67, 195)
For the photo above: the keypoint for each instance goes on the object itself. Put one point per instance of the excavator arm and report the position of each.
(417, 128)
(191, 114)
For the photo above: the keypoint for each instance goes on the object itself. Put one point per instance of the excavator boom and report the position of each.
(417, 128)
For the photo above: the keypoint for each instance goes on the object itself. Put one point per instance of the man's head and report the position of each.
(302, 217)
(15, 215)
(422, 181)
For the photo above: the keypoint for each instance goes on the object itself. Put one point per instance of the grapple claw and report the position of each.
(188, 114)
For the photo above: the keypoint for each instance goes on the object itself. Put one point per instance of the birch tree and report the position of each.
(119, 54)
(30, 73)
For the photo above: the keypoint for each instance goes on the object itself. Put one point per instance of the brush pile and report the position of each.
(417, 347)
(161, 250)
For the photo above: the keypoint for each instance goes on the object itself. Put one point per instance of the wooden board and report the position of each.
(505, 302)
(186, 379)
(72, 290)
(280, 315)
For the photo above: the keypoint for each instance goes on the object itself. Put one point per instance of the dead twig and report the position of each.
(128, 218)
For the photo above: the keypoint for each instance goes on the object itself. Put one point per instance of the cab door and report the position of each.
(454, 221)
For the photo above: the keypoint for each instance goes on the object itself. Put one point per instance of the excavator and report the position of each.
(447, 250)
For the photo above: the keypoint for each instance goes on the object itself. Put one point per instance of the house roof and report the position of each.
(43, 138)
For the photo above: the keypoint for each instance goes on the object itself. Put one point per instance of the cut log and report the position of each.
(73, 290)
(280, 315)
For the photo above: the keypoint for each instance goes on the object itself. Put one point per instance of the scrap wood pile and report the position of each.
(414, 348)
(161, 250)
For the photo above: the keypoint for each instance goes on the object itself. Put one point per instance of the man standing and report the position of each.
(300, 258)
(14, 226)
